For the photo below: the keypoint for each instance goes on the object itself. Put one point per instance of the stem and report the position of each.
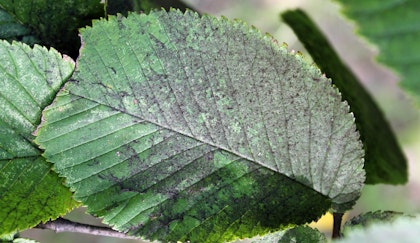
(337, 225)
(64, 225)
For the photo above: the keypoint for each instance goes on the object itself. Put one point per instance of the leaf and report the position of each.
(23, 240)
(29, 191)
(368, 218)
(176, 127)
(393, 26)
(384, 159)
(10, 29)
(403, 229)
(55, 23)
(14, 238)
(301, 234)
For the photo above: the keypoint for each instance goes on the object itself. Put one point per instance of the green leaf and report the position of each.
(384, 159)
(176, 127)
(14, 238)
(29, 191)
(301, 234)
(55, 23)
(393, 26)
(402, 229)
(10, 29)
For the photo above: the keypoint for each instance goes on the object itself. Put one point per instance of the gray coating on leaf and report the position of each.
(29, 79)
(176, 127)
(220, 83)
(30, 192)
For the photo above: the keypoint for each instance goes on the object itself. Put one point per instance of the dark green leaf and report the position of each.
(55, 23)
(177, 127)
(29, 191)
(393, 26)
(384, 159)
(10, 29)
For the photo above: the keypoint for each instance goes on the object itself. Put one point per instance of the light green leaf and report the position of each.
(55, 23)
(29, 191)
(301, 234)
(23, 240)
(14, 238)
(392, 25)
(384, 159)
(177, 127)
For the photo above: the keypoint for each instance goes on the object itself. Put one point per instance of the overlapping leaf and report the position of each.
(393, 26)
(177, 127)
(29, 191)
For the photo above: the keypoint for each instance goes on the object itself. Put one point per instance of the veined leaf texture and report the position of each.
(181, 127)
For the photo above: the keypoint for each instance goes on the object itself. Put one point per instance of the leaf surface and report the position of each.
(384, 159)
(29, 191)
(176, 127)
(392, 25)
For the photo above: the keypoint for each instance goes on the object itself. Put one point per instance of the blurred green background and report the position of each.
(359, 56)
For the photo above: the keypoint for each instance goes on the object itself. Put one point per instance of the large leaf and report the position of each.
(384, 159)
(177, 127)
(394, 26)
(29, 191)
(55, 23)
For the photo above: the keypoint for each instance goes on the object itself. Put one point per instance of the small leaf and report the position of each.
(384, 159)
(403, 229)
(301, 234)
(176, 127)
(55, 23)
(366, 219)
(23, 240)
(393, 26)
(29, 191)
